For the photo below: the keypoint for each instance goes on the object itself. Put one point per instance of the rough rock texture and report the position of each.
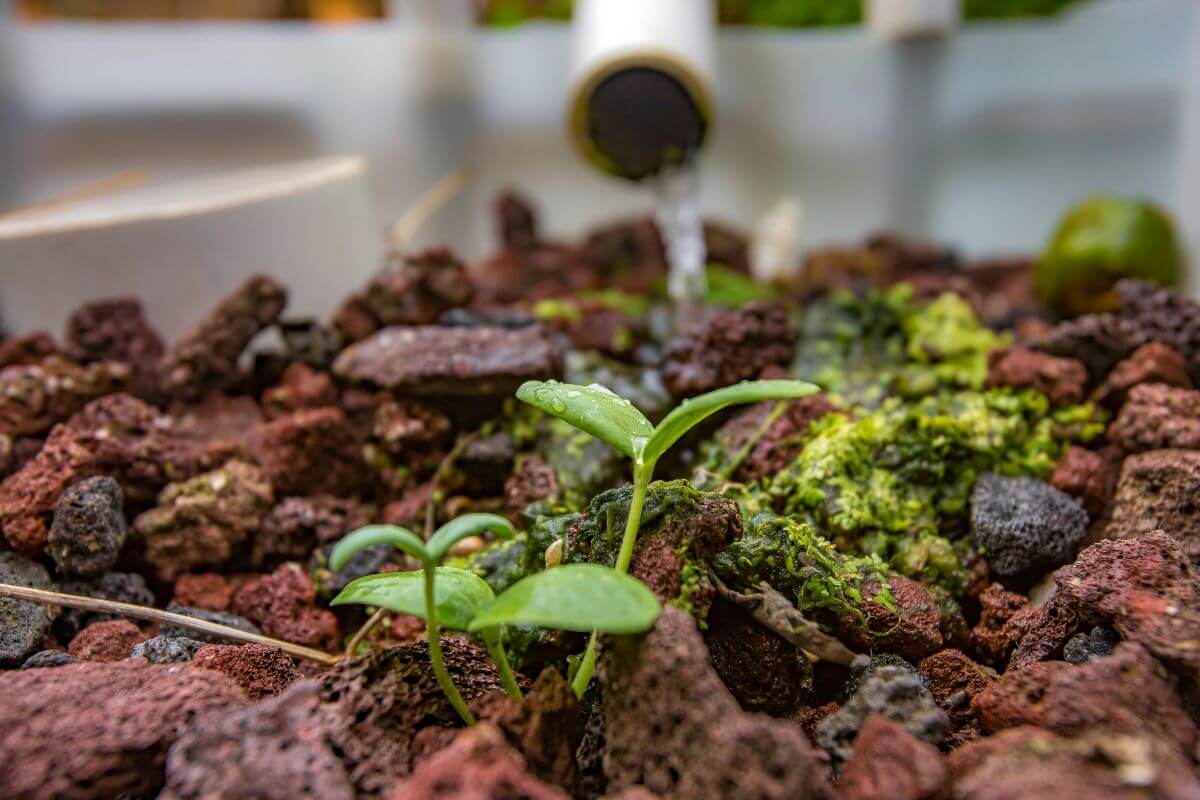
(206, 520)
(35, 397)
(672, 726)
(273, 750)
(1157, 416)
(124, 587)
(220, 617)
(1062, 380)
(1098, 340)
(439, 360)
(516, 220)
(897, 693)
(764, 672)
(411, 289)
(1003, 619)
(311, 452)
(115, 744)
(1151, 363)
(531, 481)
(283, 605)
(328, 583)
(89, 528)
(206, 590)
(29, 348)
(889, 763)
(953, 679)
(1163, 315)
(773, 447)
(296, 525)
(1044, 630)
(401, 426)
(913, 631)
(206, 358)
(166, 649)
(117, 330)
(22, 624)
(730, 346)
(1158, 490)
(46, 659)
(477, 765)
(1089, 476)
(261, 670)
(299, 387)
(1096, 643)
(111, 640)
(1023, 524)
(377, 704)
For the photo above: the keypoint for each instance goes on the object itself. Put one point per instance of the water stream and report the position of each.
(678, 216)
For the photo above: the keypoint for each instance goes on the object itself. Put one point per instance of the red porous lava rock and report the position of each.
(204, 590)
(27, 349)
(206, 358)
(300, 387)
(477, 765)
(1045, 631)
(297, 525)
(953, 680)
(1157, 416)
(206, 520)
(313, 451)
(261, 670)
(729, 347)
(283, 605)
(274, 750)
(913, 631)
(402, 426)
(672, 727)
(1062, 380)
(1003, 619)
(1151, 363)
(117, 330)
(36, 397)
(93, 730)
(1158, 491)
(773, 447)
(110, 640)
(531, 481)
(764, 672)
(889, 763)
(1089, 475)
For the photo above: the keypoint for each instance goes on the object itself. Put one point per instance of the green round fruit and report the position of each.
(1099, 242)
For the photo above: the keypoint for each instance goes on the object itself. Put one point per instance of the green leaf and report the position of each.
(607, 416)
(458, 594)
(461, 527)
(355, 542)
(574, 597)
(690, 412)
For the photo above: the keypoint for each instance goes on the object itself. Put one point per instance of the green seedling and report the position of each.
(614, 420)
(578, 597)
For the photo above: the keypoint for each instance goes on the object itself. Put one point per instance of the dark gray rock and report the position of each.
(49, 658)
(89, 528)
(166, 649)
(1096, 643)
(1023, 524)
(123, 587)
(22, 624)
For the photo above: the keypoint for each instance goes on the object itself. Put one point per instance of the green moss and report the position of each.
(692, 581)
(598, 537)
(504, 562)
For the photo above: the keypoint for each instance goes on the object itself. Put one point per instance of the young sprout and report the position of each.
(599, 411)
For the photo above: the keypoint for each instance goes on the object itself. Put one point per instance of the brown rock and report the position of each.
(261, 670)
(672, 727)
(205, 590)
(274, 750)
(953, 680)
(297, 525)
(35, 397)
(889, 763)
(1157, 416)
(219, 420)
(764, 672)
(1088, 475)
(402, 426)
(29, 348)
(438, 360)
(771, 448)
(1044, 631)
(300, 387)
(206, 358)
(531, 481)
(1062, 380)
(730, 346)
(1097, 340)
(52, 745)
(117, 330)
(1158, 490)
(516, 220)
(1003, 620)
(310, 452)
(416, 289)
(913, 631)
(110, 640)
(283, 605)
(1151, 363)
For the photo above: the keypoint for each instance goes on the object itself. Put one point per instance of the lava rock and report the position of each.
(440, 360)
(366, 562)
(1099, 341)
(728, 347)
(89, 528)
(98, 730)
(1045, 630)
(166, 649)
(1004, 618)
(273, 750)
(283, 604)
(533, 480)
(912, 630)
(297, 525)
(1062, 380)
(117, 330)
(1096, 643)
(45, 659)
(300, 387)
(311, 452)
(111, 640)
(123, 587)
(22, 624)
(1157, 416)
(1163, 315)
(953, 679)
(1151, 363)
(414, 289)
(1089, 476)
(206, 358)
(516, 220)
(219, 617)
(206, 590)
(1023, 524)
(261, 670)
(29, 348)
(764, 672)
(1157, 491)
(36, 397)
(889, 763)
(771, 448)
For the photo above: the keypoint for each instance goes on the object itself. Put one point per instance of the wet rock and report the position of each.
(533, 480)
(89, 528)
(206, 358)
(477, 765)
(300, 387)
(1062, 380)
(894, 692)
(1097, 340)
(298, 525)
(1003, 619)
(729, 347)
(261, 670)
(770, 448)
(206, 520)
(166, 649)
(440, 360)
(953, 679)
(1158, 490)
(46, 659)
(311, 452)
(1096, 643)
(111, 640)
(114, 744)
(124, 587)
(482, 466)
(206, 590)
(22, 624)
(273, 750)
(912, 631)
(117, 330)
(283, 604)
(672, 727)
(378, 702)
(1151, 363)
(1089, 476)
(35, 397)
(1023, 524)
(30, 348)
(219, 617)
(889, 763)
(1157, 416)
(764, 672)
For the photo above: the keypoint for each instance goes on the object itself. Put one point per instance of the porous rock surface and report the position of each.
(1090, 476)
(1155, 362)
(166, 649)
(36, 397)
(117, 330)
(1023, 524)
(311, 451)
(22, 624)
(954, 679)
(774, 447)
(283, 604)
(89, 528)
(912, 630)
(728, 347)
(889, 763)
(1157, 416)
(1062, 380)
(764, 672)
(1157, 491)
(111, 640)
(123, 587)
(261, 670)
